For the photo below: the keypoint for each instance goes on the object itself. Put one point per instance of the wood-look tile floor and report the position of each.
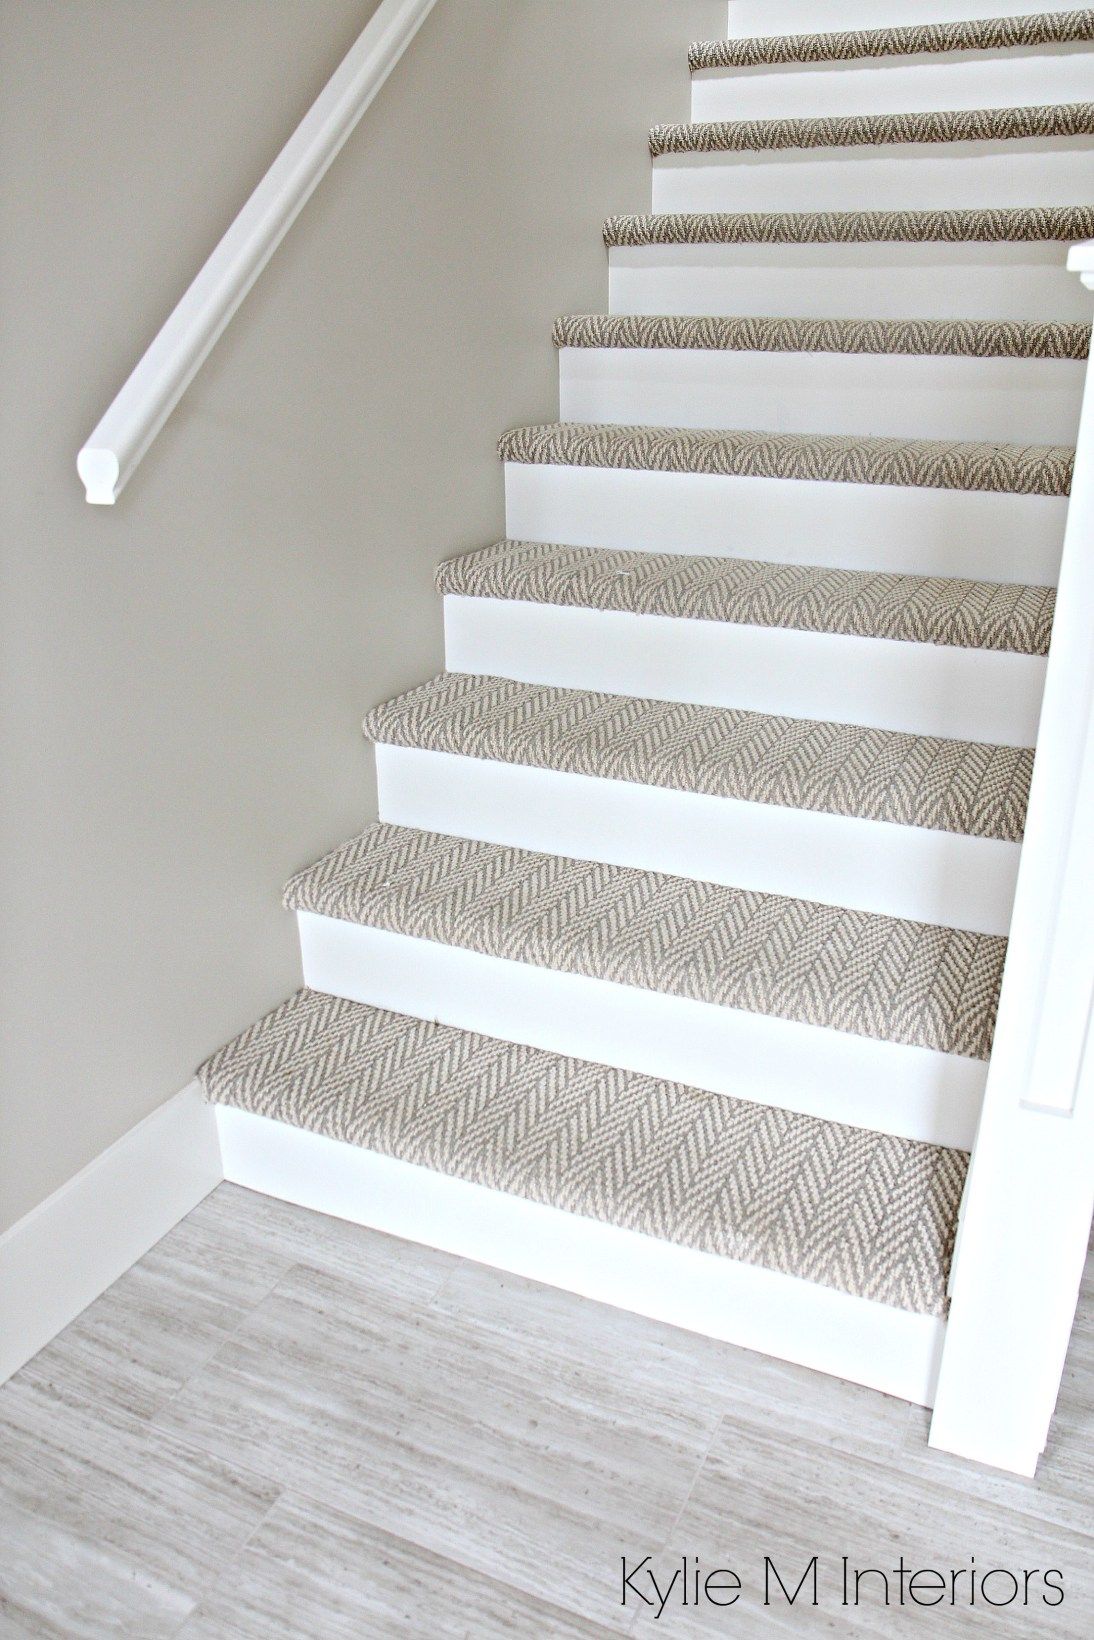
(280, 1427)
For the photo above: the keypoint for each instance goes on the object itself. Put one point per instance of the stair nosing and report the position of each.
(880, 605)
(903, 982)
(946, 464)
(932, 126)
(933, 338)
(879, 1225)
(915, 39)
(972, 789)
(1021, 224)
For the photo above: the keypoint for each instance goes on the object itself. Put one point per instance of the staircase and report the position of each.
(669, 973)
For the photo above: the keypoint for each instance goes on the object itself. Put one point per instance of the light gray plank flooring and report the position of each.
(280, 1427)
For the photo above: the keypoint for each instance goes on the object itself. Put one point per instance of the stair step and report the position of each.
(1006, 225)
(1041, 470)
(998, 399)
(860, 130)
(906, 608)
(964, 338)
(975, 790)
(934, 159)
(896, 981)
(866, 1213)
(915, 39)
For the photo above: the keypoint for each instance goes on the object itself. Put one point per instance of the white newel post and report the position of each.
(1027, 1211)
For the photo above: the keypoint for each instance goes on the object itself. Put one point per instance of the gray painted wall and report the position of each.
(184, 674)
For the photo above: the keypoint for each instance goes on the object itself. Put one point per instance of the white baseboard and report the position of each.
(887, 1349)
(68, 1250)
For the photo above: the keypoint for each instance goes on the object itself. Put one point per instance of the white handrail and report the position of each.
(1026, 1215)
(109, 457)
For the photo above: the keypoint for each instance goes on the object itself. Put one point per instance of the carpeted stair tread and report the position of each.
(803, 597)
(945, 464)
(821, 965)
(994, 224)
(914, 39)
(961, 786)
(860, 130)
(863, 1212)
(965, 338)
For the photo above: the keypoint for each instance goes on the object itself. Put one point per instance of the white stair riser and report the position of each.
(891, 1088)
(902, 871)
(869, 281)
(982, 535)
(1012, 400)
(752, 17)
(887, 1349)
(919, 688)
(896, 85)
(895, 176)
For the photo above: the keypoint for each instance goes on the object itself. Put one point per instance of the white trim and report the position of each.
(866, 865)
(881, 683)
(1080, 260)
(1026, 1220)
(163, 374)
(984, 534)
(1005, 77)
(888, 1349)
(969, 174)
(898, 395)
(886, 1086)
(68, 1250)
(865, 280)
(747, 17)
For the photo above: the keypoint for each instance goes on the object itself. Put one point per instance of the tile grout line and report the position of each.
(233, 1560)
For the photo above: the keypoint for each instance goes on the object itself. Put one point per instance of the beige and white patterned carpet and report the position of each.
(868, 1214)
(857, 130)
(800, 597)
(996, 225)
(970, 787)
(863, 1212)
(968, 338)
(882, 977)
(844, 458)
(848, 45)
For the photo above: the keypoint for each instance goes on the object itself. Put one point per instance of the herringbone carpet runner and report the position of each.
(961, 786)
(856, 130)
(800, 597)
(859, 1211)
(988, 34)
(882, 977)
(937, 464)
(968, 338)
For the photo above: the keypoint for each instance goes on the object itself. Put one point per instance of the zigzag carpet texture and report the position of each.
(849, 45)
(857, 130)
(937, 464)
(803, 597)
(862, 1212)
(967, 338)
(999, 224)
(881, 977)
(969, 787)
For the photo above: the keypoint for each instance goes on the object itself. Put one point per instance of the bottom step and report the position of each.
(815, 1242)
